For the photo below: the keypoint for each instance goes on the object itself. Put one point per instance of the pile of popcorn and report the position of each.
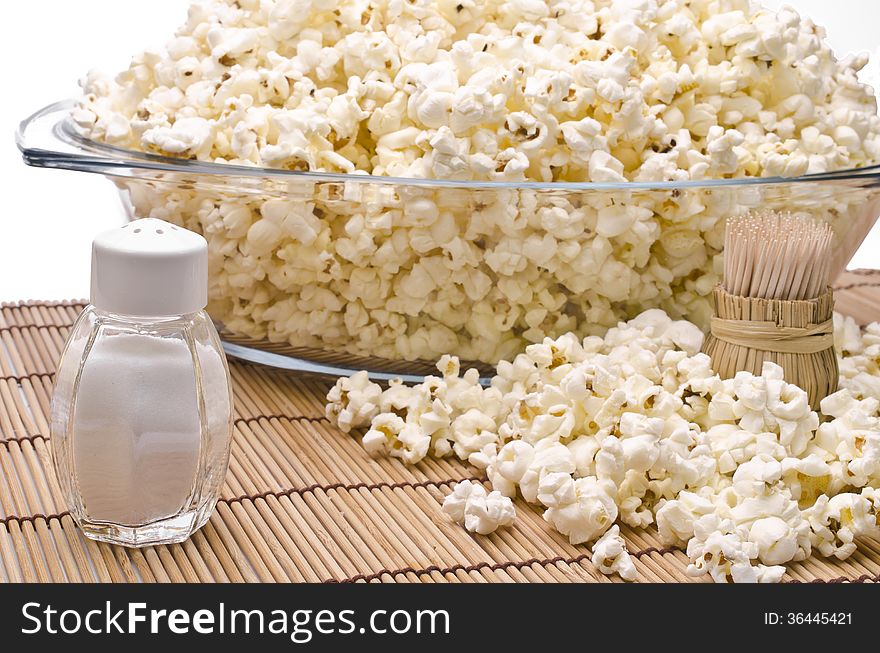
(557, 90)
(516, 90)
(635, 427)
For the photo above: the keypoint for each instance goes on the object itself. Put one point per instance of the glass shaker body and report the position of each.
(141, 425)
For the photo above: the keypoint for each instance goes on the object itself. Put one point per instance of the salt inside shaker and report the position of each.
(142, 408)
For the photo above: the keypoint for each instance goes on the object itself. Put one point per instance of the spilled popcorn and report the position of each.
(479, 511)
(635, 428)
(611, 557)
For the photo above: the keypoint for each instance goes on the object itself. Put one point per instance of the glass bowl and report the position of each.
(329, 273)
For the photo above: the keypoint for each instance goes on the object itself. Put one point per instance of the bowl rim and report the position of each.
(93, 156)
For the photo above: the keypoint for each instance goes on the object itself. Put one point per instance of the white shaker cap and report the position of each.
(149, 268)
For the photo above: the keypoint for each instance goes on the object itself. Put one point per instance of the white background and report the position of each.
(48, 217)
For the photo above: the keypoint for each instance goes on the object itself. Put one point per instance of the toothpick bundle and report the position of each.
(775, 303)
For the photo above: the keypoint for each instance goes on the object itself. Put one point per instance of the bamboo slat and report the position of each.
(302, 501)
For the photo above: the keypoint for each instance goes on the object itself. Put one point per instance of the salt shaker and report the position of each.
(142, 408)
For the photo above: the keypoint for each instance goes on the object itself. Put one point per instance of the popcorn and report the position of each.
(499, 91)
(632, 427)
(454, 504)
(548, 457)
(190, 136)
(726, 556)
(390, 435)
(766, 403)
(852, 437)
(676, 518)
(807, 478)
(471, 432)
(757, 475)
(733, 446)
(847, 335)
(509, 467)
(591, 512)
(685, 336)
(583, 451)
(610, 555)
(557, 489)
(723, 556)
(640, 436)
(610, 463)
(480, 512)
(777, 541)
(353, 401)
(837, 521)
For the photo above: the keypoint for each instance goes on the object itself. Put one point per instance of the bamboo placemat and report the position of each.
(302, 501)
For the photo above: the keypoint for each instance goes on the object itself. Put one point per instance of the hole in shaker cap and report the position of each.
(159, 231)
(137, 231)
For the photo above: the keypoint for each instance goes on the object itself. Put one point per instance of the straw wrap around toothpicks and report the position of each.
(776, 303)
